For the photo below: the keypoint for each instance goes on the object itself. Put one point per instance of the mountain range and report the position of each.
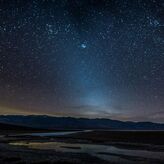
(70, 123)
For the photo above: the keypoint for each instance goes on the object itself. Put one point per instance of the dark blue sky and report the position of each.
(85, 58)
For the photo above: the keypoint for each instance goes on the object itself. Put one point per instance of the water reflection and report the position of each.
(53, 133)
(106, 152)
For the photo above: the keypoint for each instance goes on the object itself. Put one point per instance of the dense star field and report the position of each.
(85, 58)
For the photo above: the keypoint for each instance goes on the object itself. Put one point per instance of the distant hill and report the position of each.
(67, 123)
(11, 127)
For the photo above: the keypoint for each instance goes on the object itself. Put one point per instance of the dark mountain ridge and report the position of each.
(68, 123)
(13, 127)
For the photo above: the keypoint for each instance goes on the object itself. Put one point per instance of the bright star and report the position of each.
(83, 45)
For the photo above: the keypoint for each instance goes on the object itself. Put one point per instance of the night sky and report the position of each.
(83, 58)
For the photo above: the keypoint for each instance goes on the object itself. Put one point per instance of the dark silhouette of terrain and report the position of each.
(70, 123)
(7, 128)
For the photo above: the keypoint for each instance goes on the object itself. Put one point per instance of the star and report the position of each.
(83, 46)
